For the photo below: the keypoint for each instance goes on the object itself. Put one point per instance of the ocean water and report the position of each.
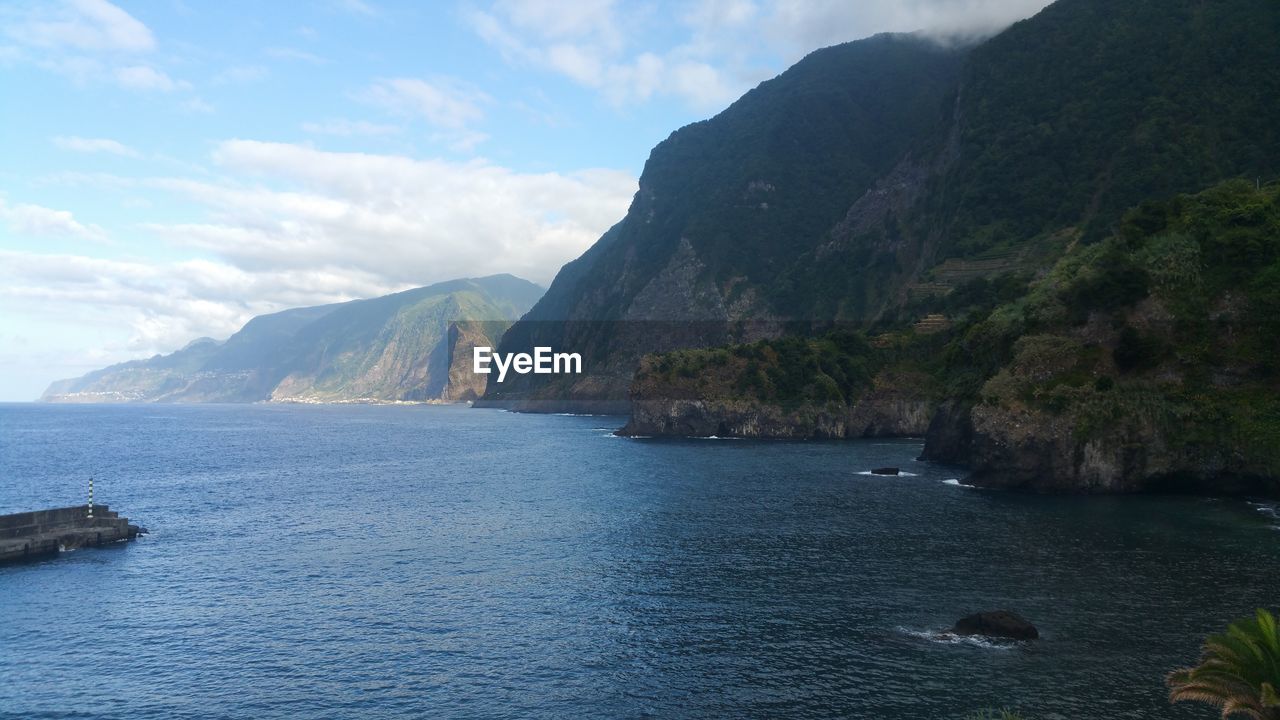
(444, 562)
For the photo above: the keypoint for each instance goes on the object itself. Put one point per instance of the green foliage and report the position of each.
(1172, 349)
(1264, 291)
(1239, 671)
(788, 372)
(1192, 351)
(1095, 106)
(1113, 280)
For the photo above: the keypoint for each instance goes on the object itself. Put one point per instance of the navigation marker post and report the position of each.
(90, 498)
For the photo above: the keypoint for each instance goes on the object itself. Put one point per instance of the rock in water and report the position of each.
(885, 471)
(997, 624)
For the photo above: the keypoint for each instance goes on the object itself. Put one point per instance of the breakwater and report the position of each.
(30, 535)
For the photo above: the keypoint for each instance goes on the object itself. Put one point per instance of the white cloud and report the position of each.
(163, 306)
(88, 25)
(552, 20)
(39, 221)
(94, 145)
(86, 41)
(800, 26)
(721, 13)
(145, 77)
(720, 49)
(587, 43)
(443, 102)
(402, 220)
(290, 225)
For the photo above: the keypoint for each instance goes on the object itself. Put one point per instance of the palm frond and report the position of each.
(1239, 671)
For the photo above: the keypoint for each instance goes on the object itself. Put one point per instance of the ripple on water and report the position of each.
(400, 562)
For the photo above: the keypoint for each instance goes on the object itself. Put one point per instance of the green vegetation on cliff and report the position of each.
(1149, 358)
(789, 372)
(1164, 333)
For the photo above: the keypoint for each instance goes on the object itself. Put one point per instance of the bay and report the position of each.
(440, 561)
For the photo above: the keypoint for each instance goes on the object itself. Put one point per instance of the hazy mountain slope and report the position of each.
(823, 195)
(395, 347)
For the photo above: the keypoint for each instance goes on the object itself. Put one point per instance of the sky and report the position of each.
(174, 167)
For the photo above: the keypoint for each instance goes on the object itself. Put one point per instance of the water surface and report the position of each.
(388, 562)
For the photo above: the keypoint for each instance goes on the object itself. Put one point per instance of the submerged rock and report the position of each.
(997, 624)
(885, 471)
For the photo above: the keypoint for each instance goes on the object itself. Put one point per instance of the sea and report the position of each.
(346, 561)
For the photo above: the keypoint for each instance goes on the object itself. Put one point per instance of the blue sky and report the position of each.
(174, 167)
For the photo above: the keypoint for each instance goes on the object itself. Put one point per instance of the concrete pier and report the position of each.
(30, 535)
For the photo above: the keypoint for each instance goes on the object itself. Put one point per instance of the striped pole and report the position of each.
(90, 498)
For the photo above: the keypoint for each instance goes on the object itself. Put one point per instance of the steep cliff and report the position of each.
(410, 346)
(1145, 362)
(876, 177)
(836, 386)
(726, 207)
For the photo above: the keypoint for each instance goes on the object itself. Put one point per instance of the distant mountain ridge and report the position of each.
(391, 348)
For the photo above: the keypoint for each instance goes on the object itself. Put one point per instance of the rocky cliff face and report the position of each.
(726, 208)
(411, 346)
(873, 415)
(788, 388)
(1145, 362)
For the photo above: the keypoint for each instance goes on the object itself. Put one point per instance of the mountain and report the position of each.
(1145, 362)
(874, 179)
(396, 347)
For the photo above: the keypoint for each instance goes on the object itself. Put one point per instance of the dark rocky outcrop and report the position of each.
(749, 419)
(1001, 624)
(949, 438)
(660, 406)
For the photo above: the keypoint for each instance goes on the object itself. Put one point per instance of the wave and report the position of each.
(956, 482)
(1267, 509)
(1271, 510)
(943, 637)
